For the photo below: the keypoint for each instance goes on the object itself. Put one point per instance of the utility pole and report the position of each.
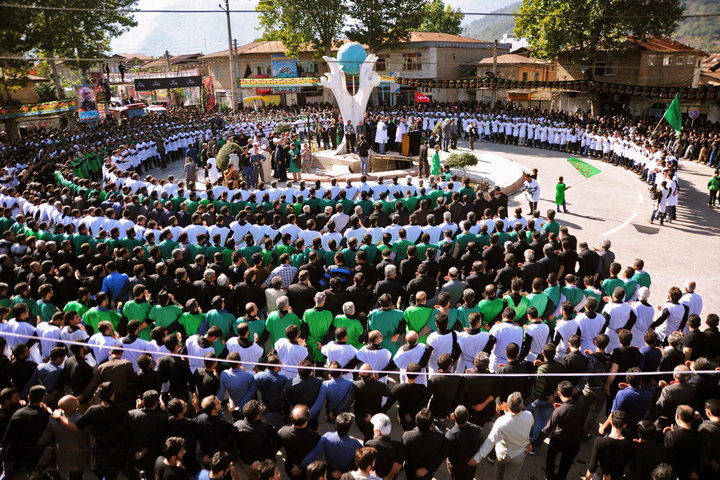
(231, 54)
(494, 92)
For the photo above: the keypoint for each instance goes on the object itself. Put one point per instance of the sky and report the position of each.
(181, 33)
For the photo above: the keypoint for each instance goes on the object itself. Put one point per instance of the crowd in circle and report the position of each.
(155, 328)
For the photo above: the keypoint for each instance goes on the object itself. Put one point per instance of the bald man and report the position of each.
(412, 352)
(72, 448)
(369, 393)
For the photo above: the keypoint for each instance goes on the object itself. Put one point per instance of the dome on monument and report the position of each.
(350, 56)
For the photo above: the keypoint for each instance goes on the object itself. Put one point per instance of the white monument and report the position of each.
(351, 60)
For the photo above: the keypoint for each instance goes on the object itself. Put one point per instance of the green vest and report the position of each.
(318, 322)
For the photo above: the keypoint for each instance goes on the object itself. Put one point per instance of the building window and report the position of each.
(679, 60)
(536, 76)
(524, 76)
(308, 67)
(691, 60)
(262, 69)
(383, 62)
(651, 60)
(217, 72)
(412, 61)
(667, 60)
(605, 69)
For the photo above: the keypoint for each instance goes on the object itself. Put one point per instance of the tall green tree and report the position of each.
(290, 22)
(78, 34)
(588, 27)
(383, 24)
(441, 18)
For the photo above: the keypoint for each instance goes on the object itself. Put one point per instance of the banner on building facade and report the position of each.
(284, 67)
(35, 109)
(146, 84)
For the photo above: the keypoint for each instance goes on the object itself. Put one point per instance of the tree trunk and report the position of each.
(11, 128)
(55, 77)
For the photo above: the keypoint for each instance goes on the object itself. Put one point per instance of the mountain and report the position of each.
(492, 27)
(702, 33)
(181, 33)
(207, 32)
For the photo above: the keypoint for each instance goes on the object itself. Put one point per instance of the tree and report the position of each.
(441, 18)
(383, 24)
(461, 160)
(223, 156)
(289, 22)
(77, 34)
(592, 26)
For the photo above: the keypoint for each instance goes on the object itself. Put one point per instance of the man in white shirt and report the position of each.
(504, 333)
(691, 300)
(291, 350)
(532, 192)
(510, 435)
(249, 351)
(340, 351)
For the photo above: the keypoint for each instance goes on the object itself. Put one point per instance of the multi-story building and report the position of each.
(423, 56)
(514, 66)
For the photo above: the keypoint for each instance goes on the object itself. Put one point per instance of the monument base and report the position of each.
(334, 164)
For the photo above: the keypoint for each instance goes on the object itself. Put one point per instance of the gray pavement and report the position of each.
(615, 205)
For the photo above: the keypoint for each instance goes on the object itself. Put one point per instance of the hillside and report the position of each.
(491, 27)
(702, 33)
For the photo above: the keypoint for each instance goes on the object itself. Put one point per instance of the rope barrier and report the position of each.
(350, 370)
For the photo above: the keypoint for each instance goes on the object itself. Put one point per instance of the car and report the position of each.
(157, 109)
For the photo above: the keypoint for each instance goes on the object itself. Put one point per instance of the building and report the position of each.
(652, 62)
(710, 70)
(423, 56)
(428, 55)
(513, 66)
(256, 60)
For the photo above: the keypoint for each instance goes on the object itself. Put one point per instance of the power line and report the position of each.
(362, 12)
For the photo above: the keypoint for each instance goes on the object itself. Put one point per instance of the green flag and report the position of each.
(585, 169)
(673, 115)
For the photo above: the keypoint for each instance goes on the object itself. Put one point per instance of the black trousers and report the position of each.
(568, 451)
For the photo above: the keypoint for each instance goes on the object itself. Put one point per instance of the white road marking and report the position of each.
(621, 226)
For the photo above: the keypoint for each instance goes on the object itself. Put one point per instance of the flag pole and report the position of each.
(658, 124)
(584, 178)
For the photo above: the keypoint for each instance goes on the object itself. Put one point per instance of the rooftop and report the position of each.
(514, 59)
(658, 44)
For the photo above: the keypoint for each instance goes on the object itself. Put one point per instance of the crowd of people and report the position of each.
(154, 328)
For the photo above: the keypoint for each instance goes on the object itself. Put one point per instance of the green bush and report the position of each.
(223, 156)
(461, 160)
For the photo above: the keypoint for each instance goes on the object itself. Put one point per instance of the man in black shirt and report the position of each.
(463, 441)
(19, 444)
(369, 393)
(145, 430)
(695, 342)
(426, 448)
(684, 445)
(216, 434)
(255, 440)
(297, 440)
(180, 426)
(107, 423)
(391, 453)
(175, 371)
(301, 294)
(444, 391)
(410, 397)
(565, 428)
(304, 390)
(648, 453)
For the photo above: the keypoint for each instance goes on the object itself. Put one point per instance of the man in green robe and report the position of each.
(317, 327)
(353, 326)
(388, 321)
(417, 316)
(436, 168)
(280, 319)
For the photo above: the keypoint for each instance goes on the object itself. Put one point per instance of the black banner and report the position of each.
(144, 84)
